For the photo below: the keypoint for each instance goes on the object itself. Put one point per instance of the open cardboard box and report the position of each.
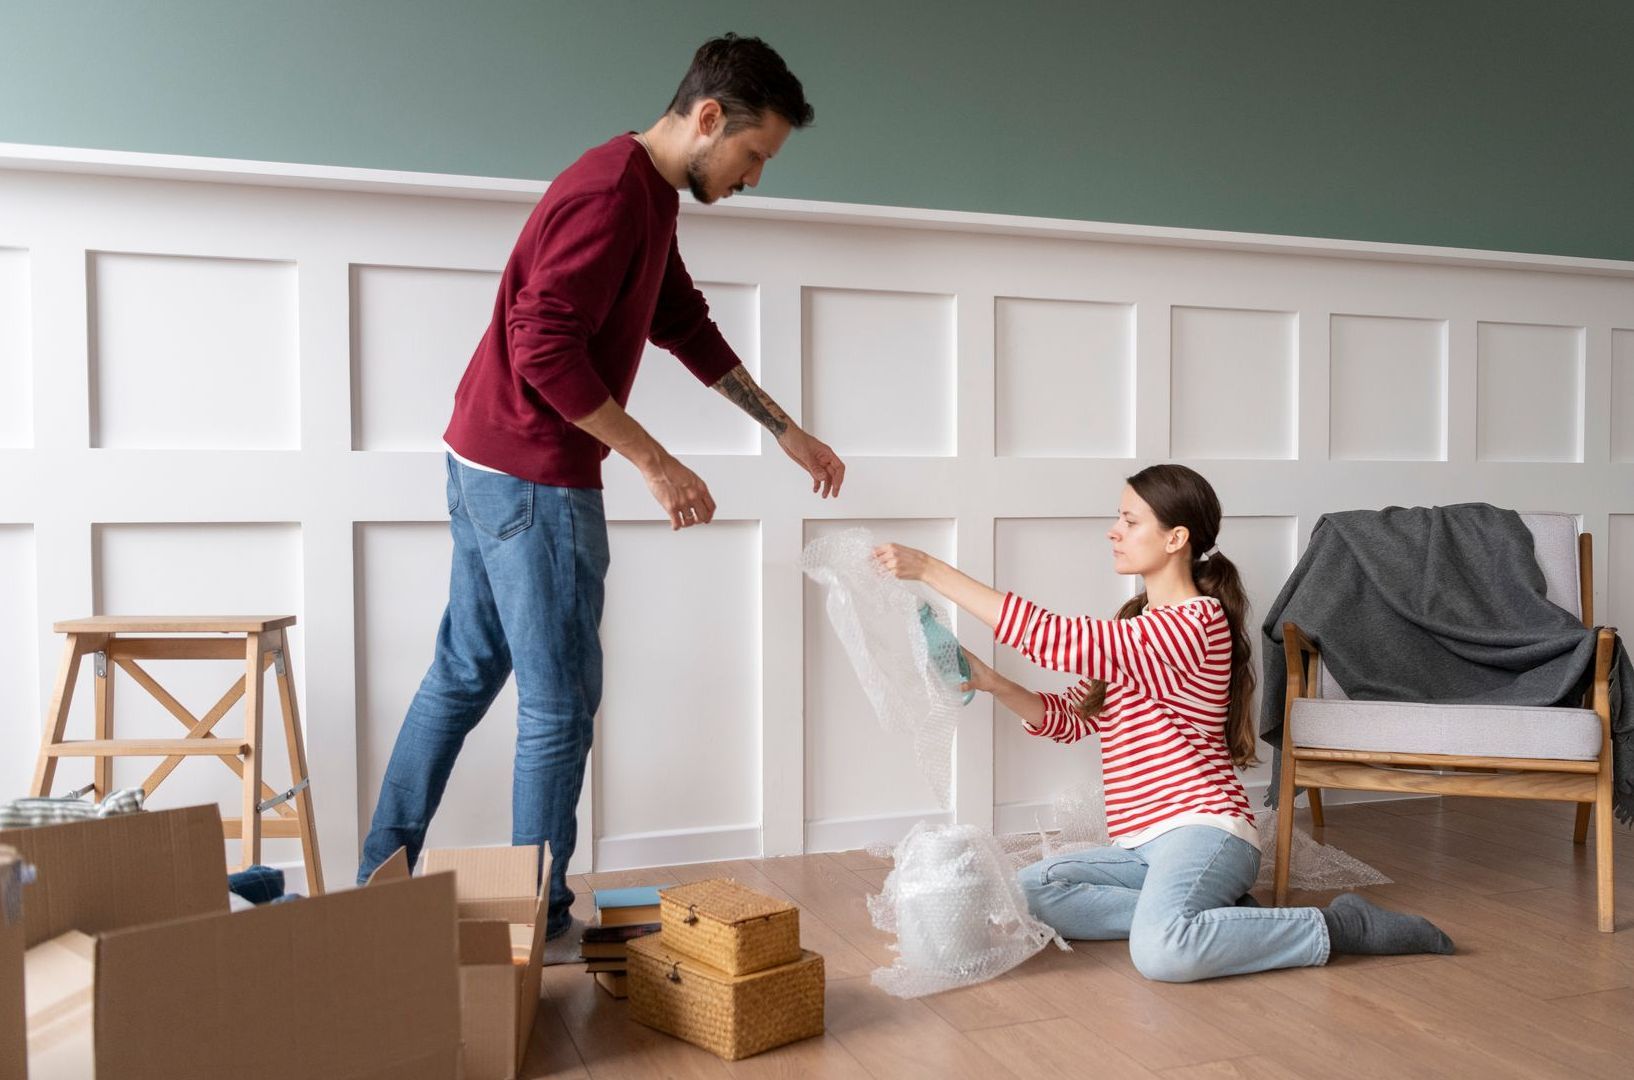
(13, 1033)
(357, 985)
(500, 900)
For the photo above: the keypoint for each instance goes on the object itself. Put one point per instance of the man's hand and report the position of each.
(680, 492)
(826, 469)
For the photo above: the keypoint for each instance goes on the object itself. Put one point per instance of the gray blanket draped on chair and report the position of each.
(1437, 604)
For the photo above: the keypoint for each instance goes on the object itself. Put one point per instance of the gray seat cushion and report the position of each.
(1400, 727)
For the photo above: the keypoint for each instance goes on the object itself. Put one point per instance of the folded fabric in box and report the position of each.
(31, 813)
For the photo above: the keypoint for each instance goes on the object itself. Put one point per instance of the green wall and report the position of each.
(1476, 124)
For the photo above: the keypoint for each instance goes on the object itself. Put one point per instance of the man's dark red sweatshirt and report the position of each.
(594, 276)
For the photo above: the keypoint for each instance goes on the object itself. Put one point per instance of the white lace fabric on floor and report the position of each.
(1080, 819)
(877, 619)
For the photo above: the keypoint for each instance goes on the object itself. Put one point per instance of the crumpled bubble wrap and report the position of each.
(957, 910)
(878, 621)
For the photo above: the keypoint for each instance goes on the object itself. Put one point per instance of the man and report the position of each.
(595, 274)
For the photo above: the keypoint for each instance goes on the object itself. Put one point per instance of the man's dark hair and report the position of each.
(748, 78)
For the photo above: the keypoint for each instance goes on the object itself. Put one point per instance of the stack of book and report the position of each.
(622, 915)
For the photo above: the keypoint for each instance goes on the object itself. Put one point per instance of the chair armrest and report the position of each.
(1600, 688)
(1296, 647)
(1294, 638)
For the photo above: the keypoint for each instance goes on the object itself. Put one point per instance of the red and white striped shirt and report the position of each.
(1164, 757)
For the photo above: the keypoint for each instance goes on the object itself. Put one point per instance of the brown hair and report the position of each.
(1180, 497)
(748, 78)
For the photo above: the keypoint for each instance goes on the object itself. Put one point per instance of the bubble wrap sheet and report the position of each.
(957, 911)
(877, 619)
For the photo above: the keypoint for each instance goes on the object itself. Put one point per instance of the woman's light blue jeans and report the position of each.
(1174, 899)
(525, 595)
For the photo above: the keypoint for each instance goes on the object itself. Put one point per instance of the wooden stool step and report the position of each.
(175, 624)
(146, 748)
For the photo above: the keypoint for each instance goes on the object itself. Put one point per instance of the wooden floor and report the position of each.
(1535, 990)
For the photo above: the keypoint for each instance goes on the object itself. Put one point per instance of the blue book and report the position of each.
(615, 907)
(639, 896)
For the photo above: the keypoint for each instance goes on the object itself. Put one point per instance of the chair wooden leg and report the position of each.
(1603, 867)
(1285, 831)
(297, 767)
(250, 822)
(103, 774)
(56, 717)
(1580, 830)
(1315, 795)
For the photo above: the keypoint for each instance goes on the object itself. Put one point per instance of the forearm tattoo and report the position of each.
(739, 388)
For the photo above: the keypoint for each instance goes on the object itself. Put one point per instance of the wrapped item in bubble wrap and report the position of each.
(907, 660)
(957, 911)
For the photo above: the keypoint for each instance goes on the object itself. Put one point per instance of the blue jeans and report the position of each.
(525, 595)
(1173, 898)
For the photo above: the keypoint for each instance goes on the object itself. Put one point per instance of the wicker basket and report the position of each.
(733, 1016)
(729, 927)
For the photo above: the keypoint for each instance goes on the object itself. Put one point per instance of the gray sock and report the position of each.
(1356, 926)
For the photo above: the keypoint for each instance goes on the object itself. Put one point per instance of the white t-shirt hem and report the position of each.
(467, 461)
(1241, 828)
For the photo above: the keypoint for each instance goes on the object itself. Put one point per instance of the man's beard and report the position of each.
(697, 176)
(695, 180)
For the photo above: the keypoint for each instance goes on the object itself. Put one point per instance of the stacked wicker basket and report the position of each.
(726, 972)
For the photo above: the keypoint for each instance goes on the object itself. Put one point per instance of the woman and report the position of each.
(1167, 688)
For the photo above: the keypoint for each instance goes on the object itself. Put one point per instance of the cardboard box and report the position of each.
(503, 911)
(354, 985)
(61, 979)
(13, 1047)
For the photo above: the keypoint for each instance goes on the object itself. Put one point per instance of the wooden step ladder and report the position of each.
(257, 641)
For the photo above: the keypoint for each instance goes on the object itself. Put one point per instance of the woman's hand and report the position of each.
(911, 564)
(906, 563)
(982, 677)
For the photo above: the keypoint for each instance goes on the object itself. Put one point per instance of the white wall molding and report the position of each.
(507, 189)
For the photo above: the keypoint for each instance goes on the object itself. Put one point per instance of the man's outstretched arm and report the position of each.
(826, 469)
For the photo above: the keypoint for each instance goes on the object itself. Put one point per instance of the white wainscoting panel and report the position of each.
(680, 717)
(413, 329)
(709, 424)
(879, 371)
(194, 568)
(1622, 395)
(1388, 388)
(16, 368)
(1235, 383)
(19, 659)
(1530, 383)
(1066, 378)
(1064, 564)
(194, 353)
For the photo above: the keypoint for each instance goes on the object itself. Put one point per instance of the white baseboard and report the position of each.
(849, 834)
(677, 848)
